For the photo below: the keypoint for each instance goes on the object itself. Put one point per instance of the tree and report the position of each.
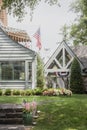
(78, 31)
(40, 73)
(18, 7)
(76, 81)
(64, 31)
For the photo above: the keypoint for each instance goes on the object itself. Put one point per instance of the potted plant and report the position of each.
(29, 110)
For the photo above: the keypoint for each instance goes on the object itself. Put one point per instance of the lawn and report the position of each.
(57, 113)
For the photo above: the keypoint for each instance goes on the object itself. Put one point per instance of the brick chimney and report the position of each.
(3, 15)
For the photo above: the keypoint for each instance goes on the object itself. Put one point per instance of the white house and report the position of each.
(57, 68)
(17, 64)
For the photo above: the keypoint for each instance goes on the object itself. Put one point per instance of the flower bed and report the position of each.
(38, 91)
(56, 92)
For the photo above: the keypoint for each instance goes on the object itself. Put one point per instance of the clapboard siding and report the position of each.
(8, 46)
(14, 85)
(14, 58)
(15, 54)
(13, 51)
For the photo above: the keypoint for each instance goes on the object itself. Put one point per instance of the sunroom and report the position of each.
(17, 64)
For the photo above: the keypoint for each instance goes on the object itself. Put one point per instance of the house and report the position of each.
(17, 35)
(57, 68)
(17, 61)
(17, 64)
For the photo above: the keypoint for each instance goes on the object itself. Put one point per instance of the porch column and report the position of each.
(34, 71)
(26, 74)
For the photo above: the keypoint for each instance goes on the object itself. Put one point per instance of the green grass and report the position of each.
(57, 113)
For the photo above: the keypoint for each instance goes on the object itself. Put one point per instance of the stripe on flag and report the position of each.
(37, 36)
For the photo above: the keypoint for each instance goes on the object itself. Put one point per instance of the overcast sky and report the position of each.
(50, 19)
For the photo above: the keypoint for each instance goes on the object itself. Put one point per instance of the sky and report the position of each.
(50, 19)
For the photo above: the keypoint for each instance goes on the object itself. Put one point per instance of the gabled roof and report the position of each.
(62, 45)
(81, 53)
(10, 48)
(17, 33)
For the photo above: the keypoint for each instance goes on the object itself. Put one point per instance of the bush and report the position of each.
(64, 92)
(28, 92)
(16, 92)
(1, 92)
(76, 81)
(7, 92)
(50, 92)
(56, 92)
(22, 92)
(40, 73)
(37, 91)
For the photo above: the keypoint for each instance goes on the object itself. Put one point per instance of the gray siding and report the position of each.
(12, 51)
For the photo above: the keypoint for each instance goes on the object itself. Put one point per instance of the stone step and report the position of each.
(11, 114)
(11, 121)
(12, 127)
(15, 127)
(11, 110)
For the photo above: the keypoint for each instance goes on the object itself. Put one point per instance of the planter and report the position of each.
(27, 119)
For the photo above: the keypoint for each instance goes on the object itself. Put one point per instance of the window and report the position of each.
(12, 70)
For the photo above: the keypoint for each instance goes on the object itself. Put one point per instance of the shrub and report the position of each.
(28, 92)
(69, 92)
(50, 92)
(76, 81)
(65, 92)
(40, 72)
(16, 92)
(37, 91)
(1, 92)
(7, 92)
(22, 92)
(56, 92)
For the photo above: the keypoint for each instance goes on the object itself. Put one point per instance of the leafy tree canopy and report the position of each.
(78, 31)
(65, 33)
(17, 7)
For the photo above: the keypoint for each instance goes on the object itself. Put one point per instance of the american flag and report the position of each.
(37, 36)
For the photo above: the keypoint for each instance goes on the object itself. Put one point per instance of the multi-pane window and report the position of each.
(12, 70)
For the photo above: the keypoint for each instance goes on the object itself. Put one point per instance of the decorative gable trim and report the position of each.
(65, 55)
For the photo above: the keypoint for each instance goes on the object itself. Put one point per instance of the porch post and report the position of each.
(26, 75)
(34, 71)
